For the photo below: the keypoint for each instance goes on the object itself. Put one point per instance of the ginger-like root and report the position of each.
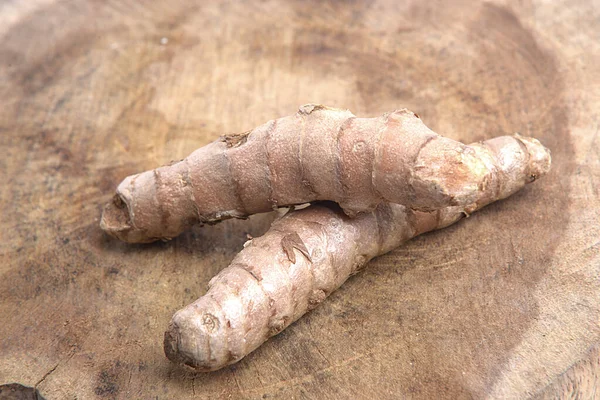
(319, 153)
(308, 254)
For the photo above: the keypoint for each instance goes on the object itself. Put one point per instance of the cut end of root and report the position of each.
(182, 342)
(115, 217)
(117, 223)
(171, 346)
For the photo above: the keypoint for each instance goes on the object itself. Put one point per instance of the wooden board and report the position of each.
(501, 305)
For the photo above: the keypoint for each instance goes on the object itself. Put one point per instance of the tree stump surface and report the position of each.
(504, 304)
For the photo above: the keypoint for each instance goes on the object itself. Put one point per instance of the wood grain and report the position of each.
(498, 306)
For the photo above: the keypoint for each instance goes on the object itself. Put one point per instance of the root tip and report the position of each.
(540, 158)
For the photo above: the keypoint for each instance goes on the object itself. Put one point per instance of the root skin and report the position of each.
(319, 153)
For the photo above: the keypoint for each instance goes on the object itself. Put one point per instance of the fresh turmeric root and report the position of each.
(308, 254)
(319, 153)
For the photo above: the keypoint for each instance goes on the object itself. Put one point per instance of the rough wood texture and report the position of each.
(498, 306)
(581, 381)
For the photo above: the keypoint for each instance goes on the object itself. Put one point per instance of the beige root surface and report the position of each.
(309, 253)
(319, 153)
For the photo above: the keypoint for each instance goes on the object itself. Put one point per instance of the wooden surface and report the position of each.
(503, 305)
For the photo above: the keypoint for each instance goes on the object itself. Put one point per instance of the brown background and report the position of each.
(503, 305)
